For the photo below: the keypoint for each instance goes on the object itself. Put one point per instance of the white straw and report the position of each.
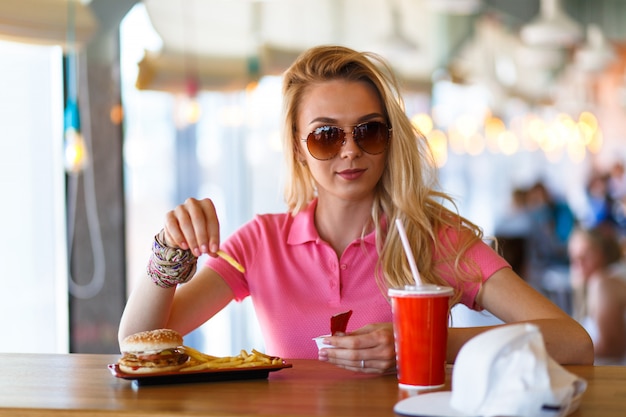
(409, 254)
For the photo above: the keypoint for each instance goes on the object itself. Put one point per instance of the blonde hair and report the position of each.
(407, 188)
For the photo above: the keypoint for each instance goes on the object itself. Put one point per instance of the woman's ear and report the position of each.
(298, 154)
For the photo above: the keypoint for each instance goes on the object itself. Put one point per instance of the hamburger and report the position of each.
(152, 351)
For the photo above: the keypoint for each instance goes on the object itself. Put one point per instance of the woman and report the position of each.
(599, 281)
(355, 164)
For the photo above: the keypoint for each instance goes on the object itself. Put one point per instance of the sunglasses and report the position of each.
(325, 142)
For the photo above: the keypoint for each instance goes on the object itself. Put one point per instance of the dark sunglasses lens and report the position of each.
(325, 142)
(372, 137)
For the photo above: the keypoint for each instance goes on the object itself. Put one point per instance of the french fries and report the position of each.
(231, 261)
(199, 361)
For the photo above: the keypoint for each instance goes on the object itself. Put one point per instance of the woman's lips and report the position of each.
(351, 174)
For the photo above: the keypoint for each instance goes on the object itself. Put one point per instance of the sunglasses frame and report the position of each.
(357, 142)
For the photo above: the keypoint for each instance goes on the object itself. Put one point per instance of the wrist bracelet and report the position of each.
(167, 266)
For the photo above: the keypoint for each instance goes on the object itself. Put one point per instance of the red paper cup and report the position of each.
(420, 323)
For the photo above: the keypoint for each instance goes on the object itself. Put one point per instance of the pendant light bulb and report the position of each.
(75, 152)
(188, 110)
(76, 155)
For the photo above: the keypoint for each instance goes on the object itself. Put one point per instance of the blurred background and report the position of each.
(114, 111)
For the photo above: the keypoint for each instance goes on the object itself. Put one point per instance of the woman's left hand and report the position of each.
(369, 349)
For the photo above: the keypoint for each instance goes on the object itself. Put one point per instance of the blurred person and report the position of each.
(355, 164)
(516, 220)
(617, 181)
(552, 221)
(599, 201)
(512, 232)
(617, 191)
(598, 274)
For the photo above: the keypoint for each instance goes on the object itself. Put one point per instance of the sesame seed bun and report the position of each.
(153, 351)
(151, 341)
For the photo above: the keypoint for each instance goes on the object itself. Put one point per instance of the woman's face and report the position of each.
(585, 259)
(352, 174)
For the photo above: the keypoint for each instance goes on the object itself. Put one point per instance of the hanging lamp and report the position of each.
(552, 28)
(395, 46)
(188, 110)
(596, 53)
(75, 150)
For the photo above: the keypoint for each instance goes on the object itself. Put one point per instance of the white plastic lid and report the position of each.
(420, 290)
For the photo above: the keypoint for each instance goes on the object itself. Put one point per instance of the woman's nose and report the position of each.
(349, 147)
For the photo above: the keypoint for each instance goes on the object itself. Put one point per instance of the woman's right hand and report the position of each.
(193, 225)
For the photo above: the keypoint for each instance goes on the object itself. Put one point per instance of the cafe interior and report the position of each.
(113, 112)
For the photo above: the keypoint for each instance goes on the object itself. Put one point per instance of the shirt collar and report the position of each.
(303, 228)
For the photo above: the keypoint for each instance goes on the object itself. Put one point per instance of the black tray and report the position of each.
(205, 375)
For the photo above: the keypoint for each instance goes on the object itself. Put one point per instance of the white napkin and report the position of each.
(505, 371)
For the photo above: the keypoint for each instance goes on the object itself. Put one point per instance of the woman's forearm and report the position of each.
(147, 308)
(566, 341)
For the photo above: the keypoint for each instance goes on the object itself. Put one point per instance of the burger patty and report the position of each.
(170, 358)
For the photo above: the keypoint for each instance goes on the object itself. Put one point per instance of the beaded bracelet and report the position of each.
(169, 266)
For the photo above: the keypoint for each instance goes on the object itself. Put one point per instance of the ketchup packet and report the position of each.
(339, 322)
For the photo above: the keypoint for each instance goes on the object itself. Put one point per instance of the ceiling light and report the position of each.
(596, 53)
(395, 46)
(552, 28)
(457, 7)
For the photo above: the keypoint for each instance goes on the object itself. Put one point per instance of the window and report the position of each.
(33, 200)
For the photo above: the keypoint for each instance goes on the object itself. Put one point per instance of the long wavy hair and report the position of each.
(407, 189)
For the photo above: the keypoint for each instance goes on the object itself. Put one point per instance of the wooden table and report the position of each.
(81, 385)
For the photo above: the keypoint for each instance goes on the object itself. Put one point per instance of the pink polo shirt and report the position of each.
(297, 283)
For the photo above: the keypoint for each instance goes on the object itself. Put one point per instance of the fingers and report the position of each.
(373, 364)
(193, 225)
(368, 336)
(370, 349)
